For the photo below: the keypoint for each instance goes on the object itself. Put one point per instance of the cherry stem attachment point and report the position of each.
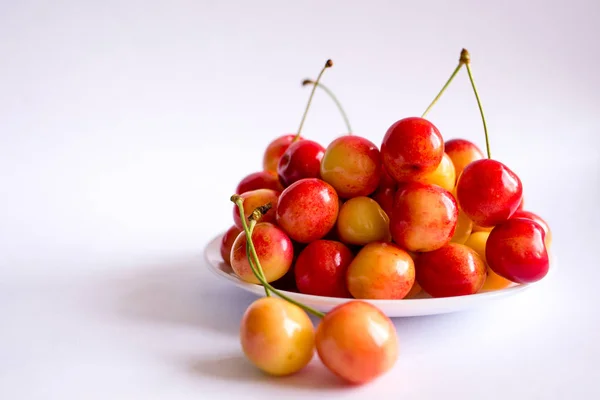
(253, 257)
(335, 100)
(328, 64)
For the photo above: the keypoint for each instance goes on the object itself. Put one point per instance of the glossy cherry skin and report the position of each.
(307, 210)
(462, 152)
(443, 175)
(357, 342)
(301, 160)
(424, 217)
(321, 267)
(259, 180)
(453, 270)
(254, 199)
(411, 148)
(275, 150)
(227, 243)
(493, 281)
(381, 271)
(273, 247)
(270, 344)
(352, 165)
(516, 251)
(361, 220)
(488, 192)
(534, 217)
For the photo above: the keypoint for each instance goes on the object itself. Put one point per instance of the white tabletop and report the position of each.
(125, 127)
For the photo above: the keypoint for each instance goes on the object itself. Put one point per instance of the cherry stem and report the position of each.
(328, 64)
(255, 262)
(335, 100)
(485, 130)
(464, 59)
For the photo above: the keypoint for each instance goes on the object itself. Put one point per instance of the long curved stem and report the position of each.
(334, 98)
(485, 130)
(328, 64)
(257, 268)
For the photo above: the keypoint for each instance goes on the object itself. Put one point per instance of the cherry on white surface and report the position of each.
(126, 125)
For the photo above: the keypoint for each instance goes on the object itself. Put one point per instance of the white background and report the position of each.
(126, 125)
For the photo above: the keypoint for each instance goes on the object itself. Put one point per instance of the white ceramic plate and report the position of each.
(424, 305)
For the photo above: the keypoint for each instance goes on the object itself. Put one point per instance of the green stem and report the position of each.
(255, 262)
(464, 59)
(250, 249)
(485, 130)
(328, 64)
(335, 100)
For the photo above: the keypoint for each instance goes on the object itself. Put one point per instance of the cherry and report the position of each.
(488, 192)
(270, 344)
(307, 210)
(381, 271)
(227, 243)
(301, 160)
(493, 281)
(321, 267)
(534, 217)
(361, 220)
(352, 165)
(357, 342)
(275, 150)
(452, 270)
(411, 148)
(464, 227)
(273, 248)
(259, 180)
(424, 217)
(254, 199)
(462, 152)
(384, 195)
(516, 251)
(444, 175)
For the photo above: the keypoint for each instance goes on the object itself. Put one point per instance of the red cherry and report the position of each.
(275, 150)
(321, 268)
(307, 210)
(385, 198)
(254, 199)
(227, 242)
(259, 180)
(516, 250)
(488, 192)
(534, 217)
(301, 160)
(411, 148)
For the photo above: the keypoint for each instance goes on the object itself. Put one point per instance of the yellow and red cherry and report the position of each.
(493, 281)
(381, 271)
(320, 269)
(444, 174)
(464, 227)
(274, 250)
(275, 150)
(534, 217)
(307, 210)
(357, 342)
(277, 337)
(411, 148)
(488, 192)
(462, 153)
(301, 160)
(453, 270)
(254, 199)
(352, 165)
(424, 217)
(259, 180)
(516, 250)
(227, 243)
(361, 220)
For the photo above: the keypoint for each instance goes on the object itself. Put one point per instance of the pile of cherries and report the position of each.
(415, 217)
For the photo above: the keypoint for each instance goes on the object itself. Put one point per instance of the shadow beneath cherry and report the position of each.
(314, 377)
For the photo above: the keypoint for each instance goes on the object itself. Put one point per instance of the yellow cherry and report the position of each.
(444, 175)
(464, 225)
(477, 242)
(361, 220)
(277, 337)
